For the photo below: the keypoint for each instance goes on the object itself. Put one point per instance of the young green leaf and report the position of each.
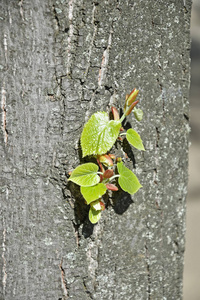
(99, 134)
(85, 175)
(138, 113)
(93, 192)
(134, 139)
(94, 215)
(128, 181)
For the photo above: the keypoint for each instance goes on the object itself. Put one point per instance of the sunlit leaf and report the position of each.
(94, 215)
(94, 192)
(85, 175)
(138, 113)
(134, 139)
(127, 180)
(99, 134)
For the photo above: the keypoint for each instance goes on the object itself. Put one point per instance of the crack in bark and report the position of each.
(21, 9)
(162, 96)
(158, 137)
(63, 280)
(76, 233)
(87, 114)
(59, 92)
(105, 60)
(3, 107)
(93, 255)
(155, 177)
(148, 274)
(86, 289)
(56, 17)
(92, 42)
(158, 197)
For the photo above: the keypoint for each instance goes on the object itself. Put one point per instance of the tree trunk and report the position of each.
(60, 62)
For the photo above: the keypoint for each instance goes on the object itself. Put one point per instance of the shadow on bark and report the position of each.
(81, 210)
(121, 202)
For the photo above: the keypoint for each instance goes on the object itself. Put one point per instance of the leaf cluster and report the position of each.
(98, 136)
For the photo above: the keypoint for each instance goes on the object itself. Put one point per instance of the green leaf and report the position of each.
(134, 139)
(138, 113)
(85, 175)
(93, 192)
(94, 215)
(128, 181)
(99, 134)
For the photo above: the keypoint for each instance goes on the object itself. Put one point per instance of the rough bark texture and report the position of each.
(60, 62)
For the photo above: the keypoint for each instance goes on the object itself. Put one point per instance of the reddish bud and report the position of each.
(115, 113)
(125, 101)
(131, 107)
(101, 178)
(70, 173)
(119, 159)
(108, 173)
(106, 160)
(111, 187)
(100, 166)
(132, 96)
(112, 156)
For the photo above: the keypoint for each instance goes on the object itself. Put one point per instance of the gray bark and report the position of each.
(60, 62)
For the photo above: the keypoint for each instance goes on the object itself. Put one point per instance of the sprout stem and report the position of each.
(113, 177)
(122, 118)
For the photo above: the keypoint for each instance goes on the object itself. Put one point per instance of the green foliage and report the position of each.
(98, 136)
(138, 113)
(85, 175)
(94, 215)
(134, 139)
(127, 179)
(94, 192)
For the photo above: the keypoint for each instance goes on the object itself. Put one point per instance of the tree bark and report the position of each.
(60, 62)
